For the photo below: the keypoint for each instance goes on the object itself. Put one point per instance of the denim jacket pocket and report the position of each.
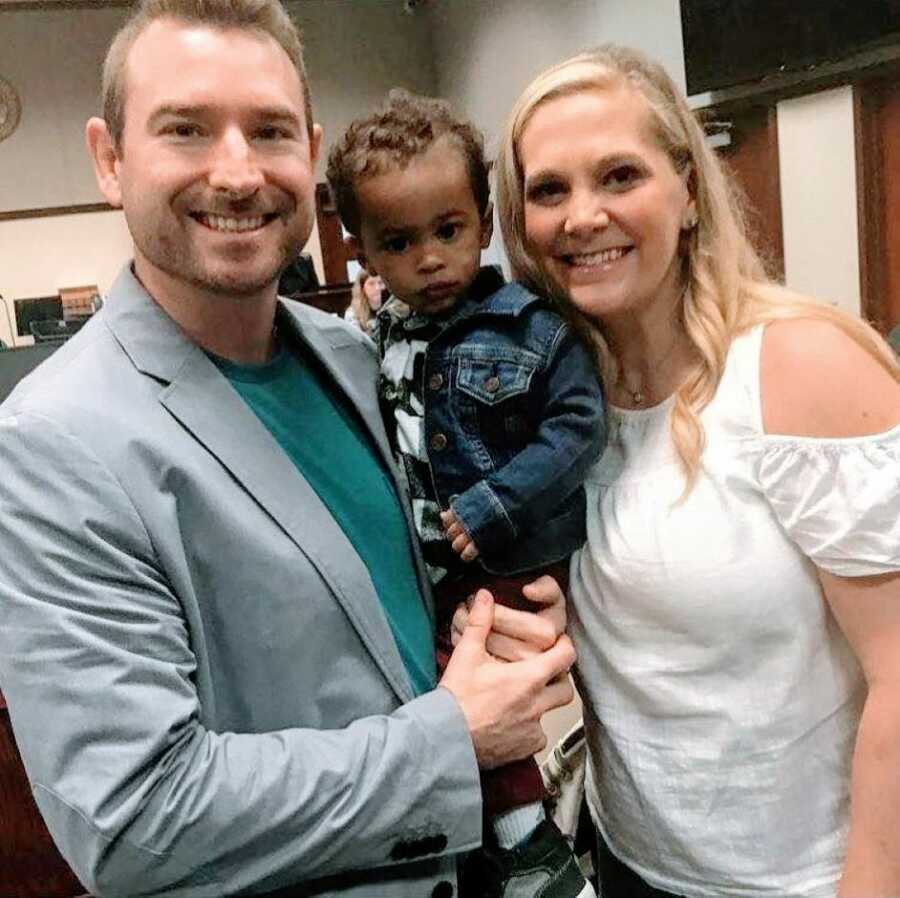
(491, 381)
(492, 405)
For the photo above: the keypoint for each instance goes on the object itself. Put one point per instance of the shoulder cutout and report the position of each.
(816, 381)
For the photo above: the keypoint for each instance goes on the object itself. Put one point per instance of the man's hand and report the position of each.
(517, 635)
(460, 541)
(503, 703)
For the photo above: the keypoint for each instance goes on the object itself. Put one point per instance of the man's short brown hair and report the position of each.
(405, 127)
(262, 16)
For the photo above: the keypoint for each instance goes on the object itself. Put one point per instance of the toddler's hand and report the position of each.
(460, 541)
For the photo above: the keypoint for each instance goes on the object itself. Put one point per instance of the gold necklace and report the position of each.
(637, 395)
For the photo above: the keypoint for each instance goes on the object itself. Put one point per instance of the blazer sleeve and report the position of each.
(571, 436)
(97, 663)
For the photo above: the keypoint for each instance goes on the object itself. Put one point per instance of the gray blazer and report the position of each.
(201, 679)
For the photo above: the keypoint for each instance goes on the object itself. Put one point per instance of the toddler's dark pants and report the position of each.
(519, 783)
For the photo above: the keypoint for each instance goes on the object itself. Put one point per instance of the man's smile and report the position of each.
(233, 223)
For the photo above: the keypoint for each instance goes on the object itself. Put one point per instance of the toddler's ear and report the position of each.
(487, 226)
(355, 247)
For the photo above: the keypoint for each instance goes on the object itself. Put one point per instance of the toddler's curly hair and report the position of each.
(405, 127)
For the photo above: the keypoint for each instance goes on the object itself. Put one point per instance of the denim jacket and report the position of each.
(514, 418)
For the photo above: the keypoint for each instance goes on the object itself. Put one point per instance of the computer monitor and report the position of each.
(41, 308)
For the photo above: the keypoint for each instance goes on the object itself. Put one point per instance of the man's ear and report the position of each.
(315, 144)
(105, 158)
(487, 226)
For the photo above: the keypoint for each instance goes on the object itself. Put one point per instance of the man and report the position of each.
(212, 637)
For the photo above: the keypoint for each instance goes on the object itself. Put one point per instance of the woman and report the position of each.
(736, 608)
(366, 298)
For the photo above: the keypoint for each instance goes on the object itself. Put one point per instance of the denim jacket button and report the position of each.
(492, 384)
(436, 381)
(438, 442)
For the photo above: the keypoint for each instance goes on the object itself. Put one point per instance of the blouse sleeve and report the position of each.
(838, 499)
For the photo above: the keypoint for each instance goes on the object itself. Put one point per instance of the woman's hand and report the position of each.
(518, 635)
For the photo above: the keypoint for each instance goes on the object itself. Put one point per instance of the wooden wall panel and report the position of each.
(877, 105)
(30, 865)
(752, 158)
(335, 253)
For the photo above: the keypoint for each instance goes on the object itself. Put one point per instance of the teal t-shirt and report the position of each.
(323, 436)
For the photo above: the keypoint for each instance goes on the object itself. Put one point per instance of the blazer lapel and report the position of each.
(206, 405)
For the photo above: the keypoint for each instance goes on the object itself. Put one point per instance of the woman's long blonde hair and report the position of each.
(362, 311)
(728, 289)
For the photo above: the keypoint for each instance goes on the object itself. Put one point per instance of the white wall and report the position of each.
(486, 52)
(355, 53)
(817, 158)
(53, 58)
(477, 53)
(38, 256)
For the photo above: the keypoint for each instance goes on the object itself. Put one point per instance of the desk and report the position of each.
(16, 363)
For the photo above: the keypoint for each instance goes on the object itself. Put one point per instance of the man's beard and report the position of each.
(183, 260)
(236, 280)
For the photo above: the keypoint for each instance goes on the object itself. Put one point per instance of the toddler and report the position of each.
(493, 407)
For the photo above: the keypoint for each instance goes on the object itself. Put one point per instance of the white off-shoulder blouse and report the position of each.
(721, 699)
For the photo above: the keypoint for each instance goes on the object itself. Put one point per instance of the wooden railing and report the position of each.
(330, 298)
